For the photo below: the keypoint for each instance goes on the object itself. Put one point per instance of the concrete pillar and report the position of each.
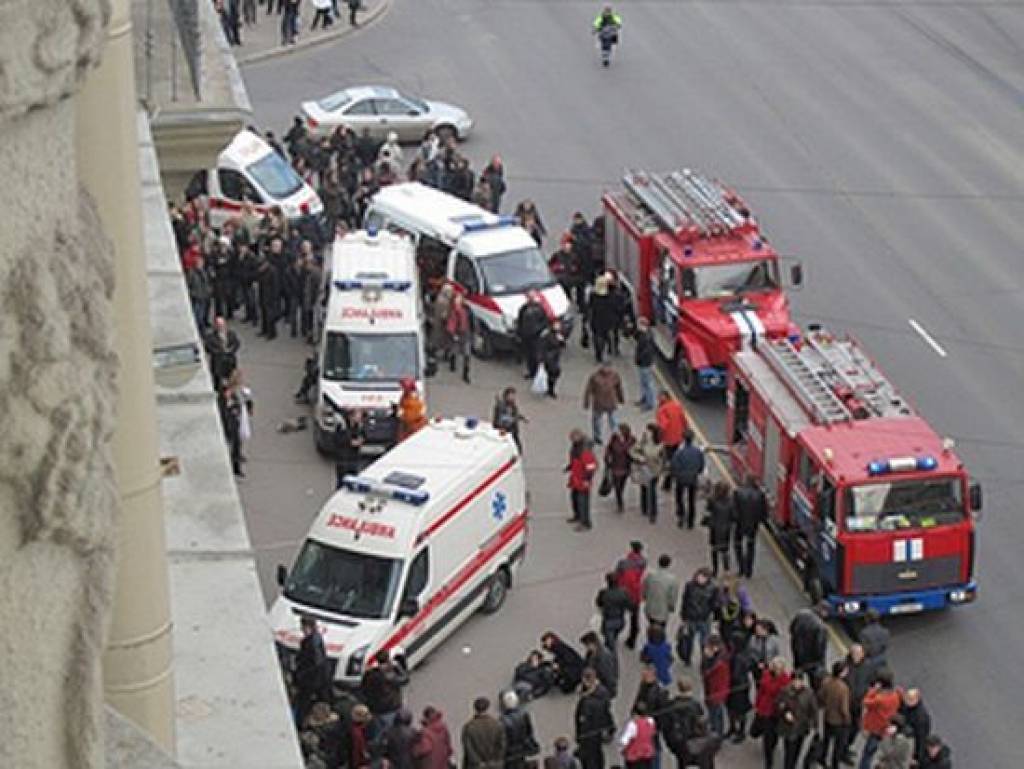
(137, 662)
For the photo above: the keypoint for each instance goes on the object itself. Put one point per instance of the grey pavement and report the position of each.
(878, 141)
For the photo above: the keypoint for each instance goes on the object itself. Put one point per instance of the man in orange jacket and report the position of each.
(881, 703)
(671, 421)
(412, 411)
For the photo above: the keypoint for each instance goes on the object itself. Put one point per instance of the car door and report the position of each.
(399, 116)
(362, 114)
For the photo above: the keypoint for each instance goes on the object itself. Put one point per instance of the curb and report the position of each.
(378, 10)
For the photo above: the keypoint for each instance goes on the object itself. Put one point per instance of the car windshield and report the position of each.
(514, 272)
(371, 357)
(334, 101)
(721, 280)
(343, 581)
(904, 504)
(417, 103)
(275, 176)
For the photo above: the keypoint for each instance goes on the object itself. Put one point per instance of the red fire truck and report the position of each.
(699, 268)
(873, 507)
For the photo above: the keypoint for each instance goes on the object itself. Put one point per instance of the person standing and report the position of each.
(290, 22)
(646, 467)
(834, 698)
(581, 468)
(671, 421)
(660, 593)
(657, 653)
(629, 573)
(353, 7)
(433, 749)
(860, 676)
(808, 641)
(399, 741)
(222, 345)
(603, 662)
(937, 754)
(349, 437)
(270, 298)
(593, 720)
(699, 603)
(918, 721)
(601, 309)
(520, 742)
(551, 344)
(494, 175)
(412, 410)
(230, 406)
(530, 324)
(294, 282)
(458, 328)
(714, 668)
(773, 680)
(506, 415)
(603, 395)
(798, 713)
(719, 521)
(483, 739)
(881, 704)
(643, 359)
(440, 342)
(562, 758)
(613, 603)
(741, 670)
(874, 637)
(686, 466)
(638, 738)
(896, 749)
(617, 461)
(200, 291)
(751, 509)
(311, 675)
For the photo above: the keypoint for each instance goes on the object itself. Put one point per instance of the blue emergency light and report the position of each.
(382, 285)
(360, 485)
(478, 223)
(901, 465)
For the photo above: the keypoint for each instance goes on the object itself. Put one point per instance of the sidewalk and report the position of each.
(262, 40)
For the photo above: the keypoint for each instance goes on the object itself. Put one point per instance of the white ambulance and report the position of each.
(250, 174)
(404, 553)
(489, 258)
(373, 334)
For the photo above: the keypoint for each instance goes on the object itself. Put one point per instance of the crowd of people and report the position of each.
(236, 15)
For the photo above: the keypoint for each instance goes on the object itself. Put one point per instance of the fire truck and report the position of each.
(699, 268)
(872, 506)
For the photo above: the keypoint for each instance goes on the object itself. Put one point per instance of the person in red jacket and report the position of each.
(629, 575)
(671, 420)
(714, 668)
(638, 739)
(880, 704)
(774, 679)
(581, 468)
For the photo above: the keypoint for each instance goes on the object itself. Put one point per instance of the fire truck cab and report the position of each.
(699, 269)
(872, 506)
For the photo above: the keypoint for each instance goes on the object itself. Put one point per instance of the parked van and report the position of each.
(250, 173)
(405, 552)
(489, 258)
(373, 334)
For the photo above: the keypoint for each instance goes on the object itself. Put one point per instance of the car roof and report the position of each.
(371, 91)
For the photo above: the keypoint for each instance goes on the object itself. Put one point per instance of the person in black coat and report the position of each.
(918, 721)
(568, 664)
(520, 742)
(349, 437)
(534, 675)
(248, 273)
(311, 674)
(937, 754)
(229, 405)
(530, 324)
(742, 668)
(751, 508)
(399, 740)
(808, 641)
(294, 284)
(719, 520)
(602, 315)
(613, 602)
(270, 298)
(593, 720)
(222, 347)
(551, 344)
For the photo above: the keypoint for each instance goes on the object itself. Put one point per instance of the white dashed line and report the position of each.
(927, 337)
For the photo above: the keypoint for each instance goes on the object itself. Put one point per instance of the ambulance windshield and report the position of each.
(903, 505)
(515, 272)
(275, 176)
(344, 581)
(371, 357)
(725, 280)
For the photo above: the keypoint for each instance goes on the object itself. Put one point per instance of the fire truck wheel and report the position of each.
(483, 345)
(497, 589)
(687, 377)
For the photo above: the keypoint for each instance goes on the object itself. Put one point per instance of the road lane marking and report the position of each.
(927, 337)
(787, 566)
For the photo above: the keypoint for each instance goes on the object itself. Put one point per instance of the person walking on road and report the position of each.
(719, 521)
(751, 508)
(494, 175)
(581, 468)
(686, 467)
(617, 461)
(483, 739)
(603, 395)
(643, 359)
(658, 652)
(506, 415)
(660, 593)
(593, 720)
(551, 344)
(530, 324)
(354, 6)
(638, 739)
(601, 307)
(700, 598)
(629, 572)
(647, 463)
(834, 698)
(671, 421)
(613, 603)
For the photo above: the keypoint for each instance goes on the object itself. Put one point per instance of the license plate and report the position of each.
(906, 608)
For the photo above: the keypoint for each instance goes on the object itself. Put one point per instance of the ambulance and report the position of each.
(488, 258)
(373, 334)
(250, 174)
(405, 552)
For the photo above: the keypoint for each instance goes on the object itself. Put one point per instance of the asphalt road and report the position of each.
(878, 141)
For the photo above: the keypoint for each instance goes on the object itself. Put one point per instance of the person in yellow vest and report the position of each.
(412, 411)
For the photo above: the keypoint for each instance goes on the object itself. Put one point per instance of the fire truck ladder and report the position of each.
(804, 381)
(683, 198)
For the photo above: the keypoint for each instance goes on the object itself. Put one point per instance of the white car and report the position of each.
(383, 109)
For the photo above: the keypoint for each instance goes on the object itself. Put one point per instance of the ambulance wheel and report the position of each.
(483, 345)
(497, 589)
(687, 377)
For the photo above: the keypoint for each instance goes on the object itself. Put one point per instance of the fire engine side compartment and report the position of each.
(629, 246)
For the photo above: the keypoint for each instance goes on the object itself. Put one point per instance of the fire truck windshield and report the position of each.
(724, 280)
(903, 504)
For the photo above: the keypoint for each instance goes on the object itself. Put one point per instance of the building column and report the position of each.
(137, 663)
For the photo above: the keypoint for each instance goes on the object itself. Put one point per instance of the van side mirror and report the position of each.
(974, 494)
(796, 274)
(410, 608)
(282, 575)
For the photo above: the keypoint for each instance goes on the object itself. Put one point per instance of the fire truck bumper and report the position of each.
(711, 378)
(911, 602)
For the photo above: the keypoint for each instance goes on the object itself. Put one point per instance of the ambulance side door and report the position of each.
(414, 598)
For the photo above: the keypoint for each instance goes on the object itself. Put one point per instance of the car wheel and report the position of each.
(686, 376)
(483, 345)
(445, 132)
(497, 589)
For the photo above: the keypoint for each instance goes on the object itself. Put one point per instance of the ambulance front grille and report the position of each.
(905, 575)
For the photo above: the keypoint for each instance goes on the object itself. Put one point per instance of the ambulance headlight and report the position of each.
(356, 660)
(851, 607)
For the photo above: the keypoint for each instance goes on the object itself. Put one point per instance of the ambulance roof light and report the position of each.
(479, 223)
(360, 485)
(472, 422)
(381, 285)
(902, 465)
